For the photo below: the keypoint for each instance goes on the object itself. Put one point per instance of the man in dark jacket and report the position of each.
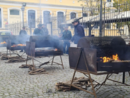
(23, 32)
(66, 36)
(78, 31)
(38, 31)
(45, 30)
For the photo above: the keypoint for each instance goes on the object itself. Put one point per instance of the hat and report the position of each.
(65, 26)
(39, 25)
(76, 20)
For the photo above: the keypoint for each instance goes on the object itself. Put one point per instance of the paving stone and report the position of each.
(16, 83)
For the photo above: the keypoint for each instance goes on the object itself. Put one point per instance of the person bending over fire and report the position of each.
(78, 31)
(66, 36)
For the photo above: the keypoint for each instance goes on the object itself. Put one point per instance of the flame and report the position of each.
(3, 42)
(107, 59)
(56, 49)
(18, 45)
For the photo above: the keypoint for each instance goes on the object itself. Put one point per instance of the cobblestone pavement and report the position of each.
(17, 83)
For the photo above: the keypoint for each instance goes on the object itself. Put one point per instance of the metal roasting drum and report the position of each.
(44, 46)
(16, 42)
(95, 47)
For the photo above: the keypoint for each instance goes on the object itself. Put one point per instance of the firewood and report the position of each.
(35, 71)
(79, 82)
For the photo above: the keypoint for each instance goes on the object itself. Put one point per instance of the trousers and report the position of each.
(66, 46)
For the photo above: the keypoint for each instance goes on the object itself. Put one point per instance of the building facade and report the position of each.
(38, 11)
(49, 12)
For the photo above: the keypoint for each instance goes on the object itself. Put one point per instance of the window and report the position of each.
(108, 26)
(60, 18)
(46, 17)
(108, 0)
(31, 18)
(14, 12)
(73, 15)
(0, 18)
(85, 14)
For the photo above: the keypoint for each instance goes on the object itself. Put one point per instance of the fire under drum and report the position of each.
(16, 42)
(3, 40)
(44, 46)
(100, 56)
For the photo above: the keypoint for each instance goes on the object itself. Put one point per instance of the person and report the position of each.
(22, 37)
(66, 36)
(38, 31)
(45, 30)
(78, 31)
(23, 31)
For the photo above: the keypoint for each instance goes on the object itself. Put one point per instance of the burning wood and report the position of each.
(80, 82)
(3, 43)
(21, 45)
(110, 59)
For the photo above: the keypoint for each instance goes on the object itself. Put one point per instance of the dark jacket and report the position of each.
(23, 32)
(66, 35)
(78, 33)
(38, 31)
(45, 31)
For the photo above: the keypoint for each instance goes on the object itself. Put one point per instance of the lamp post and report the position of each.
(23, 8)
(100, 32)
(40, 11)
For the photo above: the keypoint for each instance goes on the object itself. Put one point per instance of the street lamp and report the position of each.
(100, 32)
(23, 8)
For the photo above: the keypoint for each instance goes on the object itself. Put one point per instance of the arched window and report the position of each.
(73, 15)
(46, 17)
(60, 17)
(31, 18)
(0, 18)
(14, 12)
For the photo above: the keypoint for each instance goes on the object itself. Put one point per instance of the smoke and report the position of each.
(19, 39)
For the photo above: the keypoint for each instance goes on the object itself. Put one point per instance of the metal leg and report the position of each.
(123, 81)
(86, 63)
(129, 73)
(52, 60)
(26, 60)
(7, 52)
(61, 62)
(75, 70)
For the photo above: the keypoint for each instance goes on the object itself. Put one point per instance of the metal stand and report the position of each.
(92, 81)
(56, 62)
(52, 62)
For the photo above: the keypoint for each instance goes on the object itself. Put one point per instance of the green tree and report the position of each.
(122, 6)
(91, 6)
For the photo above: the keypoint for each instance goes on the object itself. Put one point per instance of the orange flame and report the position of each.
(18, 45)
(3, 42)
(56, 49)
(107, 59)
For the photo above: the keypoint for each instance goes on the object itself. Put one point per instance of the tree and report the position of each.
(122, 6)
(91, 6)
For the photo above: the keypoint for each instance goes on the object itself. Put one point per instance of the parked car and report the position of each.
(5, 32)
